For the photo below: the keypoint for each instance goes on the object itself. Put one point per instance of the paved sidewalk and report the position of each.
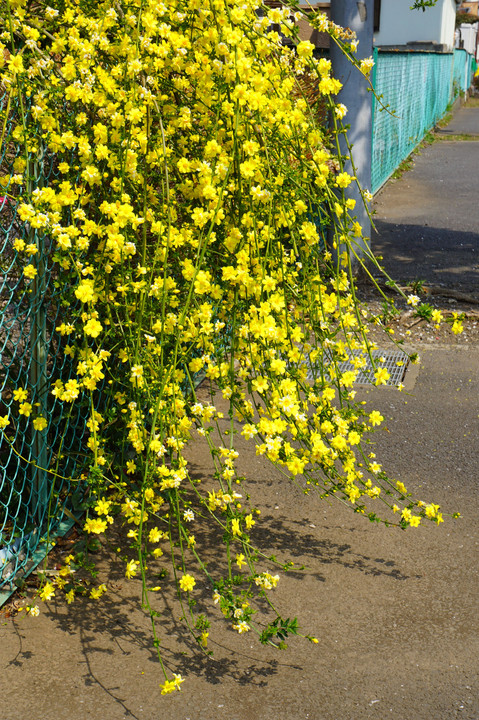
(395, 612)
(427, 221)
(464, 122)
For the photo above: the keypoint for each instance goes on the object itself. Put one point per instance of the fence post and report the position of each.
(356, 95)
(39, 356)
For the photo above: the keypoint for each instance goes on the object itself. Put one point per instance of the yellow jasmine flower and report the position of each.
(97, 592)
(47, 592)
(40, 423)
(240, 560)
(382, 376)
(25, 409)
(93, 327)
(132, 569)
(235, 526)
(30, 271)
(95, 525)
(187, 583)
(375, 417)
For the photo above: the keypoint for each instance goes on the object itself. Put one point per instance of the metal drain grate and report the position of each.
(395, 362)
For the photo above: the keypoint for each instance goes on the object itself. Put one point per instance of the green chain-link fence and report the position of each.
(464, 68)
(417, 87)
(40, 449)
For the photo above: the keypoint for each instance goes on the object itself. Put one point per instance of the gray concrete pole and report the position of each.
(357, 16)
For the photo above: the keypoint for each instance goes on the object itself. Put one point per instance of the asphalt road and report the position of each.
(427, 222)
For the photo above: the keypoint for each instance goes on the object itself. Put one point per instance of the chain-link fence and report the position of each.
(41, 447)
(417, 88)
(464, 67)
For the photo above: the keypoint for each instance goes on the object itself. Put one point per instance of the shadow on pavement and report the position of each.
(436, 255)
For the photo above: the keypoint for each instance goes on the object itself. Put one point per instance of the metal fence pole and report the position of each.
(356, 95)
(38, 366)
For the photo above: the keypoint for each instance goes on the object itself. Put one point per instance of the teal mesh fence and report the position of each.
(464, 67)
(417, 87)
(42, 435)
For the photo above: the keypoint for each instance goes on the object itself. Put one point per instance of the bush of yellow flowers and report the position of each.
(198, 218)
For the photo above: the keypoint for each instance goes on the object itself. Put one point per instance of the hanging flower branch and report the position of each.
(197, 183)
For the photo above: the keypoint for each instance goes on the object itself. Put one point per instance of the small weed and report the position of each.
(408, 163)
(417, 286)
(405, 166)
(457, 138)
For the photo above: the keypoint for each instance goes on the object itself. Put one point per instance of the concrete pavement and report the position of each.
(427, 221)
(464, 122)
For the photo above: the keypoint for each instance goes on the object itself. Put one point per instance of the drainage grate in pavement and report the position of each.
(395, 362)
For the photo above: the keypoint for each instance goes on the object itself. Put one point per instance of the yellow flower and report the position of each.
(93, 327)
(40, 423)
(20, 394)
(343, 180)
(177, 680)
(97, 592)
(4, 421)
(432, 510)
(136, 378)
(240, 560)
(305, 49)
(406, 515)
(25, 409)
(366, 65)
(187, 583)
(168, 686)
(241, 627)
(29, 271)
(375, 417)
(47, 592)
(132, 569)
(84, 292)
(235, 526)
(95, 525)
(15, 64)
(202, 282)
(103, 507)
(382, 376)
(354, 437)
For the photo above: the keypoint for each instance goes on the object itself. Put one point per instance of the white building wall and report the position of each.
(448, 23)
(400, 25)
(468, 36)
